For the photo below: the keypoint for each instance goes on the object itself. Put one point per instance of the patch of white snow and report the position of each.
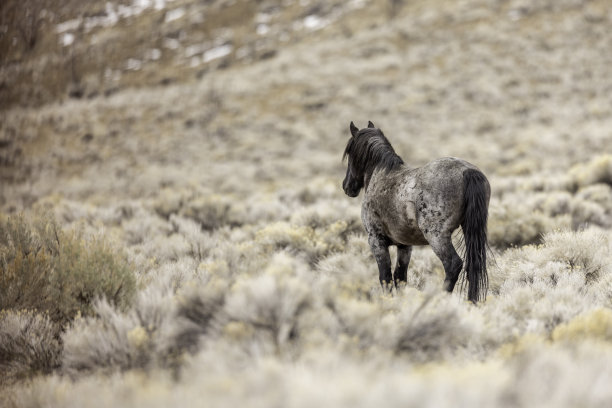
(217, 52)
(263, 29)
(67, 39)
(175, 14)
(314, 22)
(133, 64)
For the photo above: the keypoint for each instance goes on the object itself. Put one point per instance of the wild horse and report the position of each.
(406, 206)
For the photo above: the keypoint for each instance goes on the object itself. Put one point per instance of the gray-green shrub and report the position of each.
(28, 345)
(47, 269)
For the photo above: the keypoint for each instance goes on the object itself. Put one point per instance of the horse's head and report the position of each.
(355, 176)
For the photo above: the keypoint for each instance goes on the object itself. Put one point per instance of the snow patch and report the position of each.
(67, 39)
(69, 25)
(195, 49)
(314, 22)
(133, 64)
(171, 43)
(217, 52)
(112, 14)
(154, 54)
(263, 29)
(175, 14)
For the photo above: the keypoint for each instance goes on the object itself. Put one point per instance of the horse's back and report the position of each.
(410, 204)
(440, 198)
(443, 176)
(445, 167)
(447, 174)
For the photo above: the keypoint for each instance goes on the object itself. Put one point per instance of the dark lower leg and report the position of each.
(452, 271)
(403, 259)
(380, 250)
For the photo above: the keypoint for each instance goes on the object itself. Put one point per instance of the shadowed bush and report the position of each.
(549, 284)
(47, 269)
(584, 252)
(164, 323)
(26, 267)
(430, 327)
(266, 309)
(213, 212)
(28, 345)
(199, 314)
(592, 206)
(114, 341)
(516, 222)
(312, 243)
(598, 170)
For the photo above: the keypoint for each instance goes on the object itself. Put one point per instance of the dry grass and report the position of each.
(59, 272)
(251, 279)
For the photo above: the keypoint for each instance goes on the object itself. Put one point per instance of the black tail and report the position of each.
(474, 225)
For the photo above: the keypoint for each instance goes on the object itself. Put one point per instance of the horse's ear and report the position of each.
(354, 129)
(370, 124)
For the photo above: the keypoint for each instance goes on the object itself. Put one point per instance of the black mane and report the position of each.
(370, 150)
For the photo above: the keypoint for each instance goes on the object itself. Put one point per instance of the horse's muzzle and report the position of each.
(351, 193)
(351, 187)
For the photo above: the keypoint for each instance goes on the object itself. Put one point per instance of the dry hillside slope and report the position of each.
(184, 238)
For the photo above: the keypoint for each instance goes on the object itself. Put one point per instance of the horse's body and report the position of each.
(420, 206)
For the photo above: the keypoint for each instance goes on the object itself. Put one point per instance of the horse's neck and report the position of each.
(380, 175)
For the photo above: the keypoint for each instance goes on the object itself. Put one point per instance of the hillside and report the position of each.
(195, 146)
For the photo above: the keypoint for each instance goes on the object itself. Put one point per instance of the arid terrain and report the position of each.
(173, 231)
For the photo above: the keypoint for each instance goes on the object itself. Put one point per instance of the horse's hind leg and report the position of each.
(444, 249)
(403, 259)
(380, 250)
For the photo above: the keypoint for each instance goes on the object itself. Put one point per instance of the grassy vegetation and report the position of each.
(197, 248)
(59, 272)
(49, 277)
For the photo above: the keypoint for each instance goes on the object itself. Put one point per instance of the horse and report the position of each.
(406, 206)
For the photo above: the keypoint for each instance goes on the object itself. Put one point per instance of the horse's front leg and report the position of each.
(380, 249)
(403, 259)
